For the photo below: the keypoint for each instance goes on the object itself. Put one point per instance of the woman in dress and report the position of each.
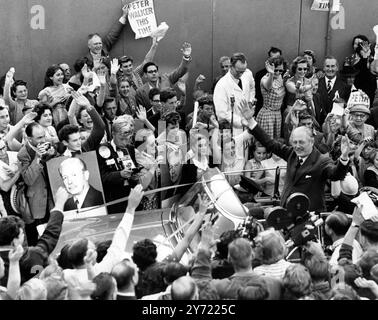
(273, 92)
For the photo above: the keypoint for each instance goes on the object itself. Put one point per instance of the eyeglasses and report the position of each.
(358, 115)
(156, 101)
(279, 70)
(152, 71)
(302, 69)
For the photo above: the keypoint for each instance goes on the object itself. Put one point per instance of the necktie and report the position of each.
(77, 205)
(240, 84)
(110, 130)
(329, 87)
(75, 153)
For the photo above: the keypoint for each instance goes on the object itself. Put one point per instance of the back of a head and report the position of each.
(102, 249)
(318, 267)
(123, 273)
(297, 281)
(256, 291)
(77, 252)
(270, 246)
(105, 287)
(57, 288)
(9, 229)
(367, 261)
(173, 271)
(184, 288)
(224, 240)
(63, 260)
(342, 291)
(240, 254)
(144, 253)
(34, 289)
(338, 222)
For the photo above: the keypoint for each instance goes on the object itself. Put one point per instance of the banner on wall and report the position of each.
(323, 5)
(142, 18)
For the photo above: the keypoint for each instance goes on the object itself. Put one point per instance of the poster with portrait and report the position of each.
(80, 176)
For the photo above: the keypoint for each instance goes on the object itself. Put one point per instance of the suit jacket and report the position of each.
(310, 178)
(92, 198)
(36, 179)
(327, 100)
(37, 256)
(166, 80)
(112, 182)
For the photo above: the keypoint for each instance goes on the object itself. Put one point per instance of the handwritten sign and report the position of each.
(142, 18)
(323, 5)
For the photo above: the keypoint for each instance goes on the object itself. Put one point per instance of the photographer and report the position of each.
(33, 157)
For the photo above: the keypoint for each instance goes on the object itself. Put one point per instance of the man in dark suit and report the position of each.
(307, 169)
(117, 163)
(332, 83)
(75, 177)
(99, 48)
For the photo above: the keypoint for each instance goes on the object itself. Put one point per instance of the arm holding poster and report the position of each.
(149, 56)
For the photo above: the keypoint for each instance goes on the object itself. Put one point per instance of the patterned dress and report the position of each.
(269, 117)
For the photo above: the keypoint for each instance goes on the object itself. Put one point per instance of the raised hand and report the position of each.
(29, 118)
(345, 147)
(135, 197)
(357, 217)
(365, 51)
(141, 113)
(80, 99)
(90, 257)
(85, 71)
(204, 203)
(125, 10)
(186, 49)
(16, 253)
(102, 76)
(9, 75)
(269, 67)
(114, 66)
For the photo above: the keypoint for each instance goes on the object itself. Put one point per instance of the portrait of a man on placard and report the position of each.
(80, 177)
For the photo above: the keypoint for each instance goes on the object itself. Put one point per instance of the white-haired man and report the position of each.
(117, 163)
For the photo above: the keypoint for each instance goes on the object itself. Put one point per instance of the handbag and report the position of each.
(19, 202)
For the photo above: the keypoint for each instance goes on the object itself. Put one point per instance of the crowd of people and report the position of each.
(316, 121)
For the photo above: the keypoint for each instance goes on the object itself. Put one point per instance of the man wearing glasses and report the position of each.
(166, 80)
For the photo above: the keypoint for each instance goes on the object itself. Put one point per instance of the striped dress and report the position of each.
(269, 117)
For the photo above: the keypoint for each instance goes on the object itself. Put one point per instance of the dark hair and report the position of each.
(149, 64)
(303, 115)
(81, 109)
(173, 271)
(40, 109)
(277, 61)
(225, 239)
(238, 56)
(296, 61)
(123, 79)
(123, 273)
(79, 64)
(10, 229)
(274, 50)
(310, 53)
(77, 252)
(323, 148)
(105, 287)
(351, 272)
(153, 92)
(102, 248)
(66, 131)
(369, 229)
(63, 260)
(172, 118)
(205, 99)
(125, 59)
(50, 73)
(360, 36)
(16, 84)
(144, 253)
(167, 94)
(29, 128)
(107, 101)
(224, 124)
(338, 222)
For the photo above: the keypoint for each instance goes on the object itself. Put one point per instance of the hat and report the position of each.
(250, 185)
(358, 101)
(349, 185)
